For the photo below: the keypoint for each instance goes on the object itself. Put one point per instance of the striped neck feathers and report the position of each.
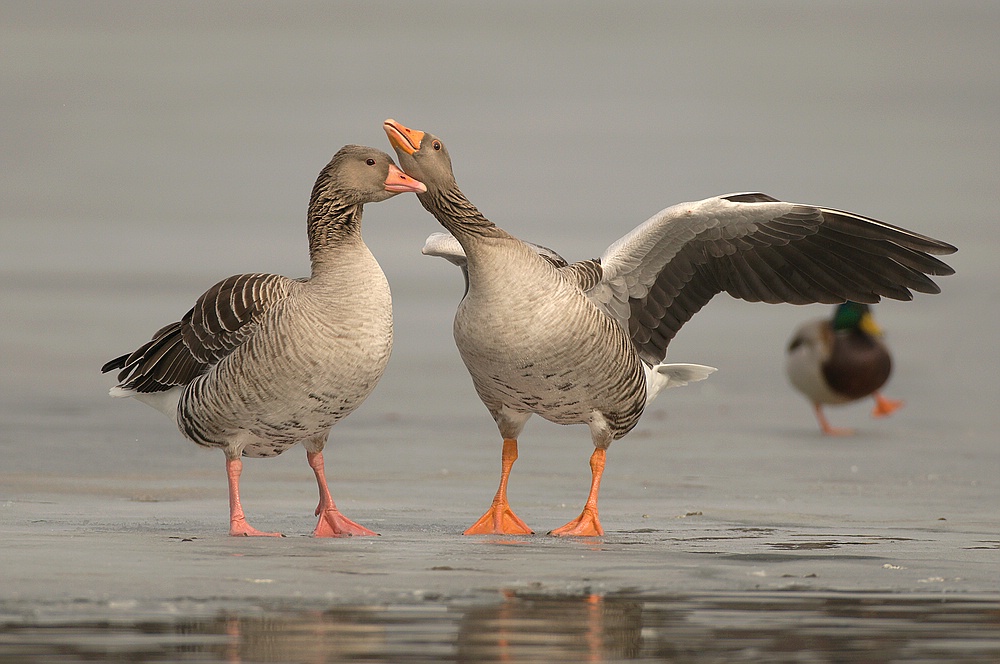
(457, 213)
(331, 223)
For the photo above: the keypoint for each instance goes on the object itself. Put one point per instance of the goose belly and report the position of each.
(281, 388)
(555, 356)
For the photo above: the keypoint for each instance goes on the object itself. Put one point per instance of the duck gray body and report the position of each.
(581, 343)
(263, 362)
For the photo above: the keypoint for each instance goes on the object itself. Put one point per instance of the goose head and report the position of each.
(422, 155)
(358, 174)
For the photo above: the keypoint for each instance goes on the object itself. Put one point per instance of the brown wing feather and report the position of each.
(807, 255)
(222, 318)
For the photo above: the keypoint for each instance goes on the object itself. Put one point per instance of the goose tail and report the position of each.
(662, 376)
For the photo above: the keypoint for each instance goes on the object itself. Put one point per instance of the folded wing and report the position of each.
(222, 319)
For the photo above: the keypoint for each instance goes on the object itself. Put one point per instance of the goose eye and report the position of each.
(370, 161)
(436, 145)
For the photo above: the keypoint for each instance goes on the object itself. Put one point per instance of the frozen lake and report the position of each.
(151, 150)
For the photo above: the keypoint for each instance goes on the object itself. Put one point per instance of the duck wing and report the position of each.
(759, 249)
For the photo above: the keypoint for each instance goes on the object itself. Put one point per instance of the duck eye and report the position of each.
(436, 145)
(370, 161)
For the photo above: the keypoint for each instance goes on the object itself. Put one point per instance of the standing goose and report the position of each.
(262, 362)
(839, 360)
(574, 344)
(658, 377)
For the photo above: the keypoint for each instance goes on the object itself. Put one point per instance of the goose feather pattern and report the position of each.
(262, 361)
(573, 344)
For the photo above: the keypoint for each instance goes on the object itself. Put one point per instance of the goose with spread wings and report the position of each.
(262, 362)
(574, 344)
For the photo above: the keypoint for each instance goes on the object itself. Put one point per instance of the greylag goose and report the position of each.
(262, 362)
(574, 344)
(658, 377)
(839, 360)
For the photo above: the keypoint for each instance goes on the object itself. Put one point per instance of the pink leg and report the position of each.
(825, 426)
(884, 406)
(588, 524)
(331, 522)
(500, 518)
(238, 526)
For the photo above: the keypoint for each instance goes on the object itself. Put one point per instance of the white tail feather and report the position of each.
(663, 376)
(165, 402)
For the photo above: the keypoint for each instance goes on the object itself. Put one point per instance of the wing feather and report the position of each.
(222, 319)
(759, 249)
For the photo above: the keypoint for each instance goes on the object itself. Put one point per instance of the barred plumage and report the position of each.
(585, 343)
(263, 362)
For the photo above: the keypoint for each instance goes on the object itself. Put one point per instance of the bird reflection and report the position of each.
(525, 627)
(518, 626)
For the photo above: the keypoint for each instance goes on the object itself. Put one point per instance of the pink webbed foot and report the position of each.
(334, 524)
(331, 522)
(238, 527)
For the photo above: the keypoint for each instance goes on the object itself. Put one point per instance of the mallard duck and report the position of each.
(262, 362)
(575, 344)
(839, 360)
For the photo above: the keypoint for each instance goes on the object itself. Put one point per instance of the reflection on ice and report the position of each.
(520, 627)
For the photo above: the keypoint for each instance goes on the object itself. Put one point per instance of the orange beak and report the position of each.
(402, 138)
(400, 182)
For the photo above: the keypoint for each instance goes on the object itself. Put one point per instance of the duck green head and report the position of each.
(856, 316)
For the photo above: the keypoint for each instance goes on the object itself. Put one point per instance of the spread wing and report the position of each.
(222, 319)
(759, 249)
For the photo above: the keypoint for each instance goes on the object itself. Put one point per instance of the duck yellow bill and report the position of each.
(400, 182)
(403, 138)
(869, 326)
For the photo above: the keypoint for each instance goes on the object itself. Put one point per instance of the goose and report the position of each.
(658, 377)
(262, 362)
(840, 360)
(574, 344)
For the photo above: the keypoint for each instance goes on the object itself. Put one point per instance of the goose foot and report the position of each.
(499, 520)
(334, 524)
(331, 522)
(586, 525)
(238, 526)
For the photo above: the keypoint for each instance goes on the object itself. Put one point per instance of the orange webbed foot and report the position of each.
(885, 406)
(588, 524)
(499, 520)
